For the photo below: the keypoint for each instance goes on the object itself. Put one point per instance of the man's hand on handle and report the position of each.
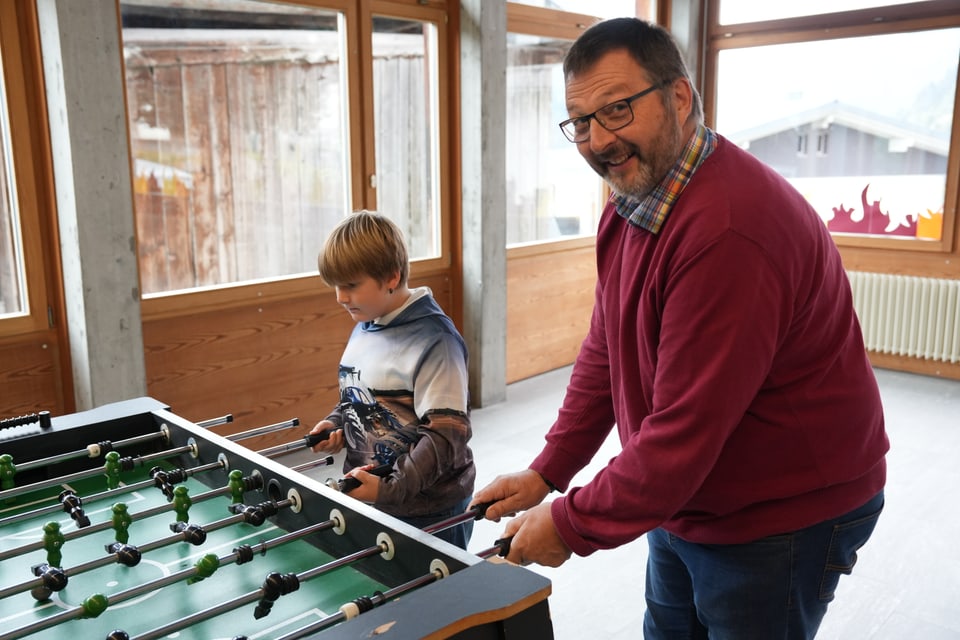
(512, 493)
(533, 536)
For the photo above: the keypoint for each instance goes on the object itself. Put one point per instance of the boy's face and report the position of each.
(365, 299)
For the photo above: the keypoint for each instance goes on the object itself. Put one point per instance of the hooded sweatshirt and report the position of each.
(404, 402)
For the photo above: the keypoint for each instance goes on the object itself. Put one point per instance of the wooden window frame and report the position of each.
(22, 72)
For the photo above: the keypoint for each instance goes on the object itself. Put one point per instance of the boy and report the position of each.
(403, 382)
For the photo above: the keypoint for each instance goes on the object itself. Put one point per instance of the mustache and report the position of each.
(620, 152)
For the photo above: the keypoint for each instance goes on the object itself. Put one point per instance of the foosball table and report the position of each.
(130, 522)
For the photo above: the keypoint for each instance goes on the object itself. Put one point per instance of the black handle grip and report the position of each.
(313, 439)
(348, 484)
(480, 509)
(504, 544)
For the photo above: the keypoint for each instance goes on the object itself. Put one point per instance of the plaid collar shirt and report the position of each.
(650, 212)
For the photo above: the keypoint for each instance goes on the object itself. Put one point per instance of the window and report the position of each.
(406, 105)
(606, 9)
(12, 285)
(248, 138)
(739, 11)
(881, 91)
(24, 269)
(552, 193)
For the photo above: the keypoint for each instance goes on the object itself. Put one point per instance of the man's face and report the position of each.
(635, 158)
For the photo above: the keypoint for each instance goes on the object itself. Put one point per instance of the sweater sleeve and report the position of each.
(441, 456)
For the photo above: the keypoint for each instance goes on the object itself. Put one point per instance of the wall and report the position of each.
(549, 302)
(265, 360)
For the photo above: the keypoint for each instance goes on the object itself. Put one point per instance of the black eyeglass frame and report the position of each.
(572, 137)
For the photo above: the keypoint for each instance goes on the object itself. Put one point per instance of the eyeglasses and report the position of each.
(611, 117)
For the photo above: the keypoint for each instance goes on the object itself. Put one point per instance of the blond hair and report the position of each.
(365, 243)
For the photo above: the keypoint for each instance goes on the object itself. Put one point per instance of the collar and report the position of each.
(415, 294)
(651, 211)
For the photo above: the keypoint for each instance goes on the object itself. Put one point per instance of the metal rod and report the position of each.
(109, 493)
(296, 445)
(476, 513)
(270, 428)
(249, 597)
(212, 422)
(315, 463)
(90, 451)
(106, 524)
(89, 473)
(159, 583)
(347, 611)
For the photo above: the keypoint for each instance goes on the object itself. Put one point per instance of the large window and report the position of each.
(739, 11)
(552, 193)
(406, 102)
(858, 117)
(251, 135)
(605, 9)
(12, 285)
(24, 269)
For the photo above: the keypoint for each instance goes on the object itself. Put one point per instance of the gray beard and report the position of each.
(656, 165)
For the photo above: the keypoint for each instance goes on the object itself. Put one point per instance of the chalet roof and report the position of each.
(899, 133)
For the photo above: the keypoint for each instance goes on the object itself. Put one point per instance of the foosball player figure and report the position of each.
(121, 522)
(236, 486)
(111, 468)
(205, 567)
(73, 504)
(53, 540)
(181, 503)
(7, 471)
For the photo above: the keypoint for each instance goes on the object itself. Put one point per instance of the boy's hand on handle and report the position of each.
(325, 437)
(511, 493)
(369, 484)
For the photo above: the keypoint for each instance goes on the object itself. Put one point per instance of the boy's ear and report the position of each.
(394, 281)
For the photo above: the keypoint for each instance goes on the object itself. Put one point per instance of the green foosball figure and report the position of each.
(181, 503)
(121, 522)
(236, 486)
(7, 471)
(53, 540)
(111, 468)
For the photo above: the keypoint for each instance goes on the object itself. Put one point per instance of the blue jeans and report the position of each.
(458, 535)
(775, 588)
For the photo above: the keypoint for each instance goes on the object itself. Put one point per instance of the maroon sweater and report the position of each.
(727, 352)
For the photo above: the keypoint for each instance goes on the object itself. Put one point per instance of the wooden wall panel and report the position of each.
(263, 363)
(549, 302)
(920, 366)
(31, 377)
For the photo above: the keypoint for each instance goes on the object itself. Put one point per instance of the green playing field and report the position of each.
(84, 551)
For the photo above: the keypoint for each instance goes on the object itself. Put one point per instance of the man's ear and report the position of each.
(682, 94)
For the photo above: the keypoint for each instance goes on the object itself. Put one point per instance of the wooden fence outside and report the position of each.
(239, 156)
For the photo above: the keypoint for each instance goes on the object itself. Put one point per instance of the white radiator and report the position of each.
(908, 315)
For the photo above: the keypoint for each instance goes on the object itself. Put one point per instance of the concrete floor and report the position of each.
(906, 585)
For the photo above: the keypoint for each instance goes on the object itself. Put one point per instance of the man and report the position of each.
(725, 348)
